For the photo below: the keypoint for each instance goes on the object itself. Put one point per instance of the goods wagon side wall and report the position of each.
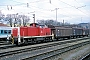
(63, 32)
(68, 32)
(77, 31)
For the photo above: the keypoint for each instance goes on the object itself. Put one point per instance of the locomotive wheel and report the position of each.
(25, 42)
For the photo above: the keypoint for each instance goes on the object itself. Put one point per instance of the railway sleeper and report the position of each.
(65, 49)
(46, 55)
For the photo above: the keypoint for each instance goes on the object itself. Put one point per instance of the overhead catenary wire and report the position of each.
(81, 6)
(77, 2)
(74, 7)
(22, 3)
(30, 2)
(29, 5)
(25, 4)
(43, 9)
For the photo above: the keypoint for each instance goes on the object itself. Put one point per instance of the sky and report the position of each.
(71, 11)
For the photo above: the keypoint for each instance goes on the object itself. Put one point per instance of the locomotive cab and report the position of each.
(34, 24)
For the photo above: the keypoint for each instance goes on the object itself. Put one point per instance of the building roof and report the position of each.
(1, 24)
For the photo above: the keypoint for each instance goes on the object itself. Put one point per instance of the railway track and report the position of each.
(47, 55)
(41, 51)
(7, 46)
(4, 43)
(86, 57)
(55, 43)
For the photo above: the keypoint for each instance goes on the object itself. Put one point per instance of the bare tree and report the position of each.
(48, 22)
(41, 22)
(51, 22)
(25, 19)
(15, 19)
(1, 16)
(8, 18)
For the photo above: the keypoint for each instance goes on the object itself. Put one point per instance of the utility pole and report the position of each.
(34, 25)
(10, 15)
(63, 22)
(56, 13)
(23, 22)
(81, 19)
(10, 21)
(15, 23)
(50, 1)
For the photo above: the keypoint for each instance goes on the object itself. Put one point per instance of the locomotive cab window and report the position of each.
(41, 26)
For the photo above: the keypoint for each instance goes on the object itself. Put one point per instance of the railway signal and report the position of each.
(34, 17)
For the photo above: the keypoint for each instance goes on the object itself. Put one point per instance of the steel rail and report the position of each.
(33, 49)
(63, 42)
(83, 58)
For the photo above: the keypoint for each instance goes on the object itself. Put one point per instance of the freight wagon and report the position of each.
(62, 32)
(68, 32)
(77, 32)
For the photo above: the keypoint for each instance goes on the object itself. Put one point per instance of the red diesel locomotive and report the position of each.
(33, 33)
